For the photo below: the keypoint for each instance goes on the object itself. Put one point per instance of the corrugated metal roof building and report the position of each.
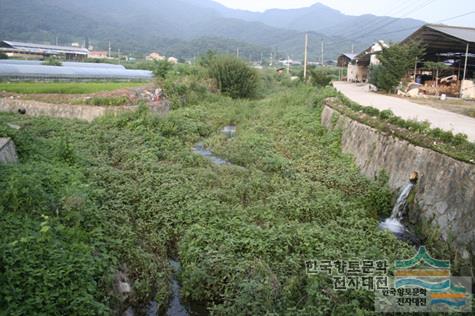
(20, 48)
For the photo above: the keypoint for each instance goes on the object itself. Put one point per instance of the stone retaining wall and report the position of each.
(82, 112)
(445, 191)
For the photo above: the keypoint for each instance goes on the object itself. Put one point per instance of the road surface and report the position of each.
(445, 120)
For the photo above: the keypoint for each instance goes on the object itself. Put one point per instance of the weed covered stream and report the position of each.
(91, 200)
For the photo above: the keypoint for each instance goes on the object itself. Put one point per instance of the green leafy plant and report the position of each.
(234, 77)
(52, 61)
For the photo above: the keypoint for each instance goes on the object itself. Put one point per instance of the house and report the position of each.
(358, 68)
(455, 47)
(344, 59)
(155, 57)
(99, 54)
(173, 60)
(28, 50)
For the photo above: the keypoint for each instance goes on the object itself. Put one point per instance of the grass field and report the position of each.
(64, 87)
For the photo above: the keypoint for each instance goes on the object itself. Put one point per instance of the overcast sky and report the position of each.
(435, 11)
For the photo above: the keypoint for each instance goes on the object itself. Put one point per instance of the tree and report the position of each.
(396, 61)
(3, 56)
(234, 76)
(161, 68)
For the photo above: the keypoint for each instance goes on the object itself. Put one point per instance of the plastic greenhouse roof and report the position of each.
(68, 72)
(65, 64)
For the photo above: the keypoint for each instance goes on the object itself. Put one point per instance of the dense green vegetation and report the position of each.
(52, 61)
(234, 77)
(64, 87)
(396, 61)
(126, 193)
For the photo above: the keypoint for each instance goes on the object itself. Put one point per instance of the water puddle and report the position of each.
(176, 307)
(202, 151)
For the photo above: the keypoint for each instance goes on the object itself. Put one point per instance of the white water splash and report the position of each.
(401, 203)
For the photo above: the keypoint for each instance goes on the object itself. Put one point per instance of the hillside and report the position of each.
(176, 26)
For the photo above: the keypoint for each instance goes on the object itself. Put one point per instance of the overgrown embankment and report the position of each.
(89, 200)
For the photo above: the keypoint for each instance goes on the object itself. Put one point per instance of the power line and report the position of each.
(456, 17)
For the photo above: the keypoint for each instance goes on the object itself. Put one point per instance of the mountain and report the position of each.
(186, 27)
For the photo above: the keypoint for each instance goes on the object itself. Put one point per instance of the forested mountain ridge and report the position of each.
(175, 27)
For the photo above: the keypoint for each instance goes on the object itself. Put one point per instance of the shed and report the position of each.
(344, 59)
(20, 48)
(453, 45)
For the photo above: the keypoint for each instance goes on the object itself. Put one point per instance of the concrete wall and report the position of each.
(357, 73)
(445, 191)
(82, 112)
(7, 151)
(468, 89)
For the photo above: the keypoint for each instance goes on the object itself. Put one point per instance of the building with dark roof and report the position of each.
(12, 48)
(344, 59)
(452, 45)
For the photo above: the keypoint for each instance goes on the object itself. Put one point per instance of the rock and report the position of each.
(124, 288)
(401, 93)
(413, 93)
(13, 126)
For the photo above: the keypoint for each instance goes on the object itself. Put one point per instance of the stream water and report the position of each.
(202, 151)
(394, 223)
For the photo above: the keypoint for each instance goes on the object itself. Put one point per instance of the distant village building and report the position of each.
(155, 57)
(358, 68)
(31, 50)
(173, 60)
(345, 59)
(99, 54)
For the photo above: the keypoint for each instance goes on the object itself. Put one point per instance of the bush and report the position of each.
(161, 68)
(234, 77)
(52, 61)
(320, 77)
(3, 56)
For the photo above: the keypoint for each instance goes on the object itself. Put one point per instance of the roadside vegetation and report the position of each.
(127, 193)
(64, 87)
(396, 61)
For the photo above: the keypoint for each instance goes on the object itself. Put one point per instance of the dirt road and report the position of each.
(408, 110)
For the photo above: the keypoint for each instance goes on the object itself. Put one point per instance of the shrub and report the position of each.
(52, 61)
(234, 77)
(3, 56)
(320, 77)
(395, 62)
(161, 68)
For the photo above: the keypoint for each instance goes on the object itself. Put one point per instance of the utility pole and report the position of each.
(271, 59)
(352, 48)
(56, 41)
(464, 71)
(305, 59)
(118, 53)
(110, 50)
(322, 54)
(288, 64)
(237, 52)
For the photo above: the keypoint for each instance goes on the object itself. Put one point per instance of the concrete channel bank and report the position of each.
(82, 112)
(446, 189)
